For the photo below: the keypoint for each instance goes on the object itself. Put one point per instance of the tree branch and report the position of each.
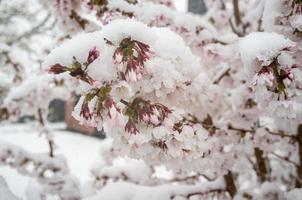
(236, 12)
(261, 165)
(230, 184)
(299, 168)
(33, 31)
(230, 126)
(285, 159)
(125, 102)
(225, 73)
(282, 134)
(50, 142)
(207, 192)
(194, 177)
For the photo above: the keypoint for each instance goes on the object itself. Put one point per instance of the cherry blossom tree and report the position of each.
(215, 99)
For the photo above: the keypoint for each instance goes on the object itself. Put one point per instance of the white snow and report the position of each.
(263, 47)
(181, 5)
(81, 152)
(5, 192)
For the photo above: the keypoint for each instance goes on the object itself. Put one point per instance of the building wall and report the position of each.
(197, 6)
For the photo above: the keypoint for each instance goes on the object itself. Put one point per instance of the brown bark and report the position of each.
(236, 12)
(299, 168)
(279, 80)
(230, 184)
(261, 165)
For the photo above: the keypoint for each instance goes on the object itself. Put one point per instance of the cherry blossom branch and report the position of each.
(299, 168)
(125, 102)
(82, 22)
(230, 126)
(16, 66)
(35, 30)
(282, 134)
(230, 184)
(237, 18)
(279, 80)
(217, 191)
(236, 12)
(50, 141)
(194, 177)
(284, 159)
(225, 73)
(3, 114)
(261, 165)
(252, 163)
(262, 168)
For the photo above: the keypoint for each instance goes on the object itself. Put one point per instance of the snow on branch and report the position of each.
(52, 173)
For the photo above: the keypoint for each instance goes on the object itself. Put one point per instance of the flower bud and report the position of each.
(57, 69)
(94, 53)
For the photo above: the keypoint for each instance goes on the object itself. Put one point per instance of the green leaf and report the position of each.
(104, 91)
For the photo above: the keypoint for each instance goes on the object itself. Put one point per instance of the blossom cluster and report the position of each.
(136, 113)
(132, 54)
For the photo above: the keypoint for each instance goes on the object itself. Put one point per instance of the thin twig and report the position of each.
(187, 196)
(125, 102)
(194, 177)
(285, 159)
(234, 29)
(31, 32)
(225, 73)
(282, 135)
(241, 129)
(50, 142)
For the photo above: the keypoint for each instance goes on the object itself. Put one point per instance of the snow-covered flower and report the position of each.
(133, 54)
(94, 53)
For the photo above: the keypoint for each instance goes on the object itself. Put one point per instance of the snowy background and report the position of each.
(80, 160)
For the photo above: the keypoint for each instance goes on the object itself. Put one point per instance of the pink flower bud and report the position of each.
(85, 112)
(57, 69)
(145, 117)
(94, 53)
(130, 127)
(109, 103)
(118, 56)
